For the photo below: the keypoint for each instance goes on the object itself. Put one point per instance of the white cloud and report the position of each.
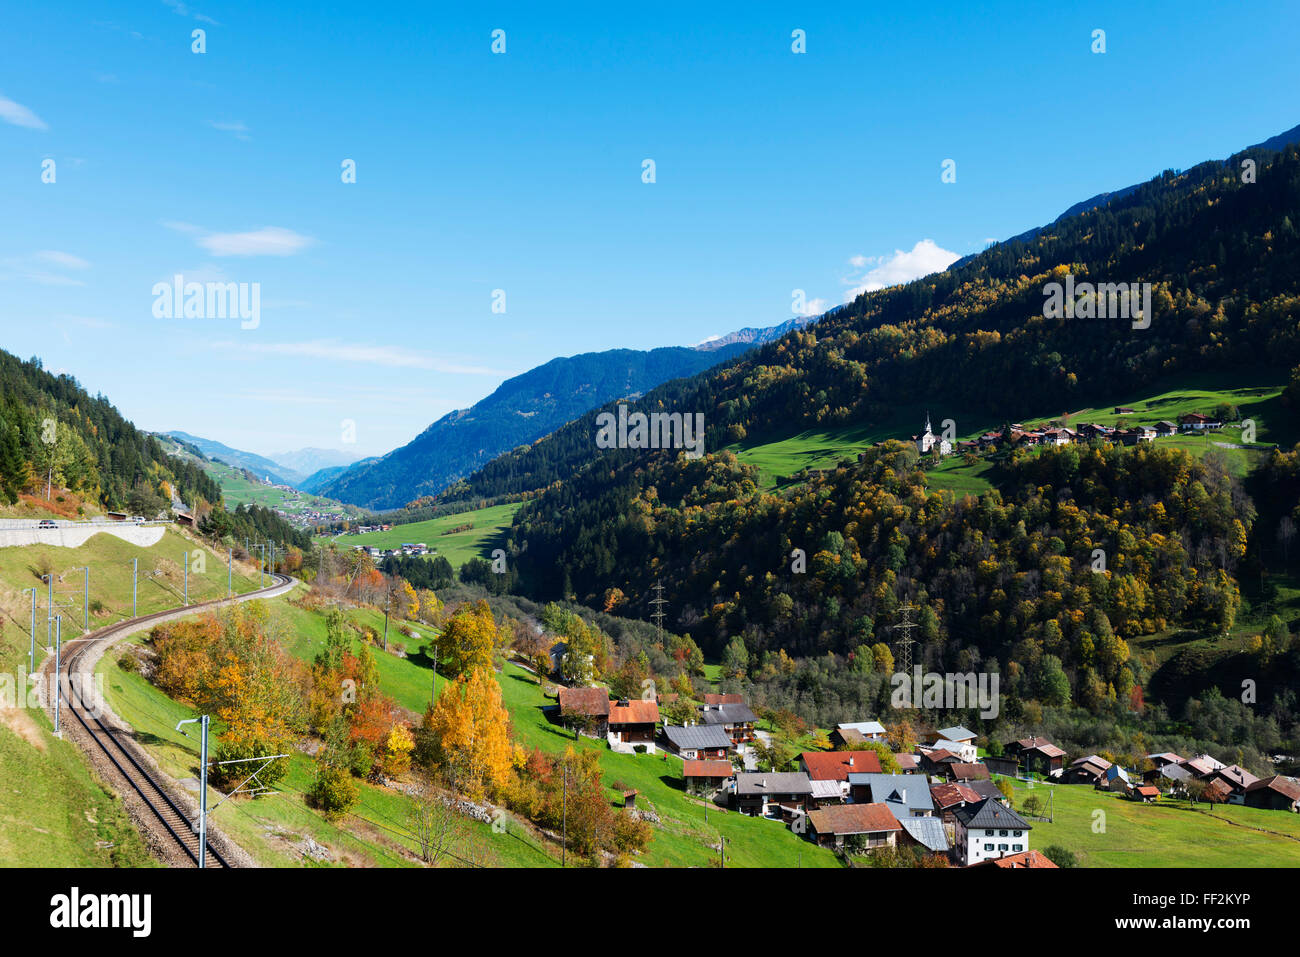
(332, 350)
(239, 130)
(880, 272)
(57, 258)
(267, 241)
(264, 241)
(42, 267)
(19, 115)
(185, 11)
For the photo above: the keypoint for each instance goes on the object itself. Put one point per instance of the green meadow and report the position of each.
(266, 825)
(1166, 834)
(1258, 399)
(457, 547)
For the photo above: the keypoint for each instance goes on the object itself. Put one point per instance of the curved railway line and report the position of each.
(169, 823)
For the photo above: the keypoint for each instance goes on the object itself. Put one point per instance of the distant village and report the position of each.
(407, 548)
(1017, 435)
(942, 800)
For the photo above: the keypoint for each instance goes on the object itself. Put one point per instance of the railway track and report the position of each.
(173, 823)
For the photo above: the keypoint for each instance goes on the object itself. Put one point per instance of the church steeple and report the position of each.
(928, 430)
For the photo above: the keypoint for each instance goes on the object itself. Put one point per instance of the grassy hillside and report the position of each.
(1165, 834)
(1257, 397)
(53, 813)
(457, 547)
(272, 827)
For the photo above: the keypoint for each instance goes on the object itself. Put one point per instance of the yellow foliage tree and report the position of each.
(470, 640)
(470, 732)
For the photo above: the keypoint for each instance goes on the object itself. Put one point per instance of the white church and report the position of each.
(927, 441)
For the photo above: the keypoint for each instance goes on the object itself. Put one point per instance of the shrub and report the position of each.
(333, 792)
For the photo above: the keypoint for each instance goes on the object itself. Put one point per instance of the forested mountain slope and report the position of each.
(1009, 577)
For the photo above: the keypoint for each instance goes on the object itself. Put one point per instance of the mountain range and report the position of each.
(522, 410)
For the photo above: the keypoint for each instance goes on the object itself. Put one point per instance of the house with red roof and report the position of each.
(632, 725)
(1276, 793)
(865, 826)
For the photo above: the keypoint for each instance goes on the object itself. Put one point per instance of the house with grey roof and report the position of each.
(698, 741)
(960, 734)
(773, 793)
(735, 717)
(988, 830)
(925, 832)
(906, 795)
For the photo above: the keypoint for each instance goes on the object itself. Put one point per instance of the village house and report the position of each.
(853, 733)
(906, 795)
(1196, 422)
(908, 763)
(836, 766)
(586, 709)
(927, 833)
(1236, 778)
(988, 830)
(1275, 793)
(1023, 859)
(1036, 755)
(699, 741)
(1114, 778)
(986, 789)
(706, 777)
(827, 793)
(632, 725)
(772, 793)
(960, 736)
(1146, 793)
(734, 717)
(948, 798)
(1202, 765)
(1172, 776)
(730, 698)
(1086, 770)
(1163, 759)
(934, 762)
(866, 826)
(962, 772)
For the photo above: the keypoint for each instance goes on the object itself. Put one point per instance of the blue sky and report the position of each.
(522, 172)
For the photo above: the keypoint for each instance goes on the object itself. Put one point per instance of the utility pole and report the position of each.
(388, 601)
(203, 785)
(49, 610)
(185, 560)
(435, 673)
(230, 573)
(31, 652)
(658, 602)
(85, 603)
(135, 573)
(58, 664)
(903, 658)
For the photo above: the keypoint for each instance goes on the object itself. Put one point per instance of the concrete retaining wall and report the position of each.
(76, 534)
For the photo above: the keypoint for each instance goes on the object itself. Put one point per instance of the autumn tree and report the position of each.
(466, 736)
